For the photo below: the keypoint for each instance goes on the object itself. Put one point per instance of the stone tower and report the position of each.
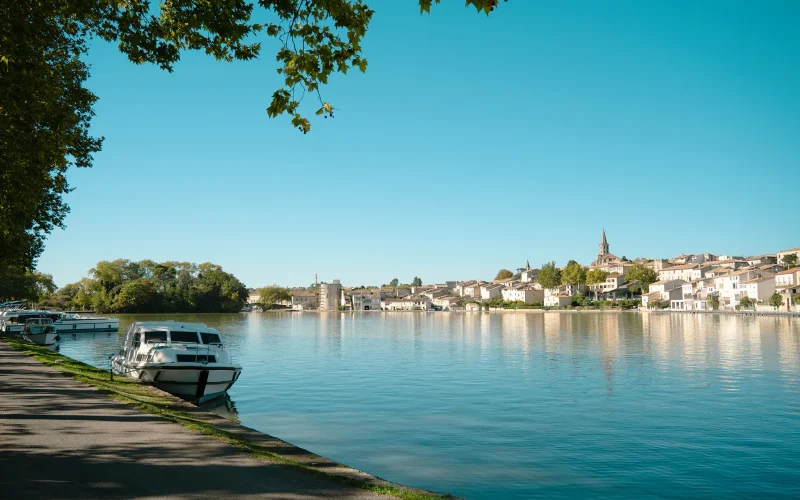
(603, 245)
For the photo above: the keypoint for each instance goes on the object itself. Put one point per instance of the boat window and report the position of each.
(155, 337)
(210, 338)
(178, 336)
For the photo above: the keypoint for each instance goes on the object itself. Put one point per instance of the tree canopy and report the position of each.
(596, 276)
(644, 275)
(573, 274)
(271, 295)
(125, 286)
(789, 260)
(45, 108)
(775, 300)
(549, 275)
(416, 281)
(504, 274)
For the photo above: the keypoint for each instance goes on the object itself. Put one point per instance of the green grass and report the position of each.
(150, 401)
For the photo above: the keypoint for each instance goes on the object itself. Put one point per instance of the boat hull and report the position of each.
(193, 382)
(49, 338)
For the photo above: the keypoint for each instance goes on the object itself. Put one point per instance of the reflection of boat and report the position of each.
(185, 359)
(222, 406)
(40, 331)
(13, 321)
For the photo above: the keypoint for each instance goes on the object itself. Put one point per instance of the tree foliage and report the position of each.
(394, 283)
(125, 286)
(644, 275)
(776, 300)
(746, 302)
(271, 295)
(416, 281)
(504, 274)
(789, 260)
(20, 284)
(549, 275)
(596, 276)
(45, 109)
(573, 274)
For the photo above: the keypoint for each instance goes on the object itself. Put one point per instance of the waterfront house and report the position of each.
(395, 292)
(330, 296)
(491, 290)
(667, 290)
(472, 307)
(523, 293)
(410, 303)
(758, 289)
(460, 286)
(449, 303)
(366, 299)
(253, 296)
(304, 300)
(557, 301)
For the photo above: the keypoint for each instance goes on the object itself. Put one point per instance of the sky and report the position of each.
(471, 144)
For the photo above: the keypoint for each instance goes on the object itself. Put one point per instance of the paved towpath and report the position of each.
(62, 439)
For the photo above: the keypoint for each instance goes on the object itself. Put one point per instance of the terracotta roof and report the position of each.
(789, 271)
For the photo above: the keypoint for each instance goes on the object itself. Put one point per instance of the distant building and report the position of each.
(604, 257)
(366, 300)
(410, 303)
(253, 296)
(528, 274)
(303, 300)
(557, 301)
(330, 296)
(523, 293)
(780, 255)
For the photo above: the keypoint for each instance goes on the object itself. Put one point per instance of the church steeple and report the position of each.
(603, 244)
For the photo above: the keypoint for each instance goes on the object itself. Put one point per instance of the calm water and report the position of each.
(524, 405)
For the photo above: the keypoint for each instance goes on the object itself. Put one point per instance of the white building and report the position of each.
(685, 272)
(410, 303)
(787, 278)
(449, 303)
(557, 301)
(491, 290)
(304, 300)
(758, 289)
(523, 293)
(779, 256)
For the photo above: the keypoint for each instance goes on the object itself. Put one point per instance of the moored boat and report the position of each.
(185, 359)
(13, 321)
(40, 331)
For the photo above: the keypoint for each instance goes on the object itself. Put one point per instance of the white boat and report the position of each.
(185, 359)
(40, 331)
(13, 321)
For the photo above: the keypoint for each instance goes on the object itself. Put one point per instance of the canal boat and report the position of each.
(13, 321)
(40, 331)
(188, 360)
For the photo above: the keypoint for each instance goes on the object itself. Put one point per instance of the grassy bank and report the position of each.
(155, 402)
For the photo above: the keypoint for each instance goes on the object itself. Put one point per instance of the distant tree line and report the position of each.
(124, 286)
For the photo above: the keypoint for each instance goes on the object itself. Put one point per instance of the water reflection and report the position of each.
(523, 404)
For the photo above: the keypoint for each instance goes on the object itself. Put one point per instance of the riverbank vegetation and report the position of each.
(124, 286)
(155, 402)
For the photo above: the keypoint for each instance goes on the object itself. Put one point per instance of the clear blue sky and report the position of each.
(470, 144)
